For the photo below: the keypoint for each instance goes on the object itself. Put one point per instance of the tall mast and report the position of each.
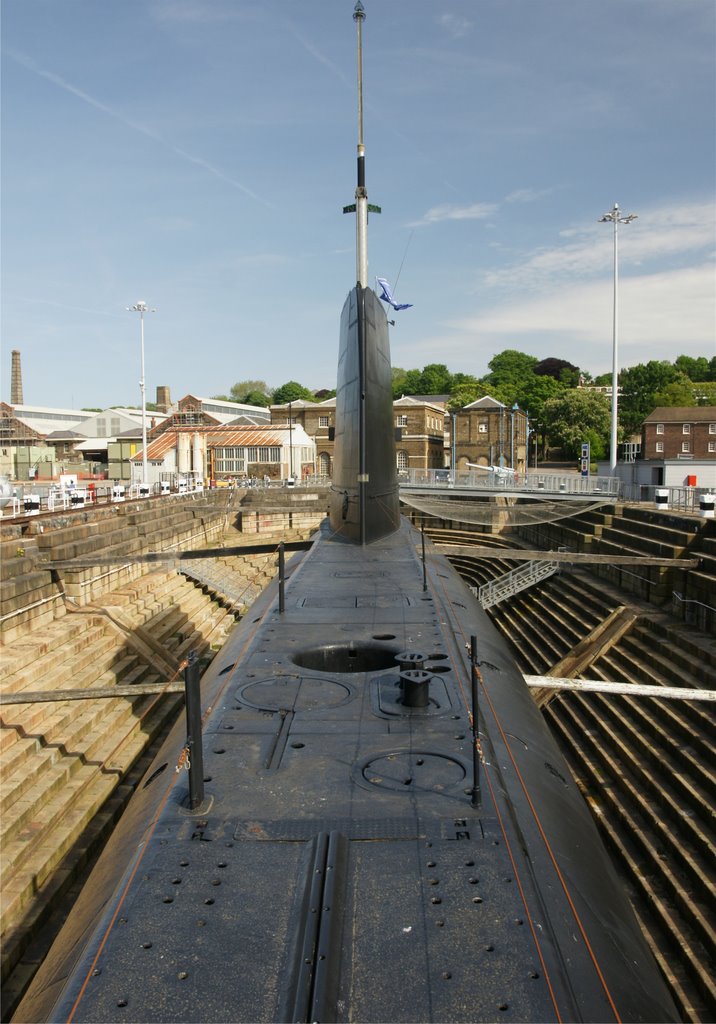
(361, 192)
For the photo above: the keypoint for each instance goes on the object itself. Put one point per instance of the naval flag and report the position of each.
(387, 295)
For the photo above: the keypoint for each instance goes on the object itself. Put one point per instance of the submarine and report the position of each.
(365, 816)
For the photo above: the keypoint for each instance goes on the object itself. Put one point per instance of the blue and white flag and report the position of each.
(387, 295)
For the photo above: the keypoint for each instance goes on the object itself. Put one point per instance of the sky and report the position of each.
(197, 154)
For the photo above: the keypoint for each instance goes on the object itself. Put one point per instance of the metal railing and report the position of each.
(504, 480)
(513, 582)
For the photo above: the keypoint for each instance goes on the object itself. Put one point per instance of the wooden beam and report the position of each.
(100, 692)
(174, 556)
(632, 689)
(574, 557)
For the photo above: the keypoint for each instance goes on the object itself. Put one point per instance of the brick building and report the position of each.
(420, 430)
(420, 433)
(488, 433)
(679, 433)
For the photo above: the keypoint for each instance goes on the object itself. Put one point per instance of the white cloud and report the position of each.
(455, 25)
(660, 316)
(447, 211)
(658, 234)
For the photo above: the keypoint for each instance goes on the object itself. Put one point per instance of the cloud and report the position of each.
(447, 211)
(678, 232)
(136, 126)
(658, 314)
(454, 25)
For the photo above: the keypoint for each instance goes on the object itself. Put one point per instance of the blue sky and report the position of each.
(196, 154)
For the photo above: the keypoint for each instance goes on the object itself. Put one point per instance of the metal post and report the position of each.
(281, 578)
(425, 578)
(616, 218)
(476, 797)
(192, 692)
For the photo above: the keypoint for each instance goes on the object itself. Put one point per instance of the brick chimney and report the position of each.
(16, 380)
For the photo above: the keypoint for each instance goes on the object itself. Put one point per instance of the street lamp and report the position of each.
(515, 407)
(142, 308)
(615, 216)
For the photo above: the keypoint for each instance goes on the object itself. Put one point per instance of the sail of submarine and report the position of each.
(342, 864)
(364, 495)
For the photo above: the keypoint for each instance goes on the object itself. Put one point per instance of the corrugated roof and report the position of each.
(218, 437)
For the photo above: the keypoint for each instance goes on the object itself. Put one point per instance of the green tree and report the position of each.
(533, 395)
(575, 416)
(242, 388)
(464, 389)
(256, 398)
(639, 386)
(694, 369)
(509, 369)
(435, 379)
(679, 392)
(291, 391)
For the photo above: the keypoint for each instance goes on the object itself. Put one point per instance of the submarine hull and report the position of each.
(340, 867)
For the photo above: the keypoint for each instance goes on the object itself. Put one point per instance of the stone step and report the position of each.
(668, 928)
(57, 669)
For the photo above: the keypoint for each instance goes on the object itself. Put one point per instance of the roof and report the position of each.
(486, 403)
(263, 436)
(682, 414)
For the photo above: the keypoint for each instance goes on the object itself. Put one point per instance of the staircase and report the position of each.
(646, 766)
(514, 581)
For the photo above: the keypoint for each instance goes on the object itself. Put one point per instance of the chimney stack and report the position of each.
(164, 402)
(16, 380)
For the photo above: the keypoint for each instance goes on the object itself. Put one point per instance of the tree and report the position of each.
(465, 390)
(578, 415)
(639, 386)
(559, 369)
(291, 391)
(256, 398)
(435, 379)
(241, 389)
(533, 395)
(679, 392)
(509, 369)
(695, 369)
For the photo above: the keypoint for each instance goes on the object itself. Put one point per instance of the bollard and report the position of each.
(706, 506)
(415, 683)
(31, 504)
(118, 492)
(661, 498)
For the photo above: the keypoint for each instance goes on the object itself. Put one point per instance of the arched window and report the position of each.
(403, 461)
(324, 464)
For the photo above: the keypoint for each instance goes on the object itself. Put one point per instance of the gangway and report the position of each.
(513, 582)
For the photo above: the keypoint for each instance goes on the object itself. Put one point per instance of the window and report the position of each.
(712, 446)
(660, 428)
(483, 427)
(401, 421)
(712, 428)
(686, 428)
(322, 421)
(252, 455)
(402, 461)
(660, 446)
(685, 446)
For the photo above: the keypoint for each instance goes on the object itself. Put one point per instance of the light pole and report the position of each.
(142, 308)
(615, 216)
(515, 407)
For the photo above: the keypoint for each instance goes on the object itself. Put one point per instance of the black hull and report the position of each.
(338, 869)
